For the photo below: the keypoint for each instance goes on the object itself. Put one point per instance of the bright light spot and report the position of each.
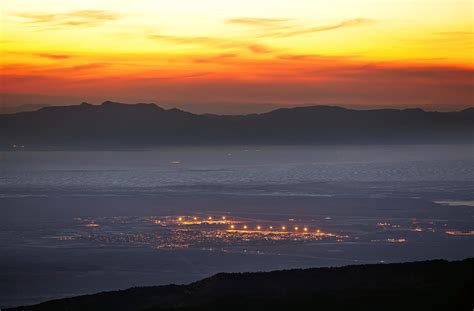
(460, 232)
(396, 240)
(210, 218)
(318, 231)
(305, 229)
(258, 227)
(223, 217)
(180, 218)
(283, 228)
(232, 227)
(296, 228)
(271, 228)
(245, 227)
(195, 218)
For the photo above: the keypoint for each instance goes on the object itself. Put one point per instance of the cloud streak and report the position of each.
(259, 22)
(84, 18)
(281, 27)
(215, 58)
(213, 42)
(189, 40)
(310, 30)
(53, 56)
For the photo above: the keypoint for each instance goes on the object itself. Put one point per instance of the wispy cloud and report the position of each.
(85, 67)
(259, 48)
(189, 40)
(260, 22)
(297, 57)
(53, 56)
(85, 18)
(215, 58)
(451, 40)
(214, 42)
(315, 57)
(309, 30)
(285, 27)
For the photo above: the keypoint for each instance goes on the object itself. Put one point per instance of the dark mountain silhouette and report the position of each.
(429, 285)
(140, 125)
(20, 108)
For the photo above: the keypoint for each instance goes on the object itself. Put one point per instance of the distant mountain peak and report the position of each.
(111, 104)
(417, 110)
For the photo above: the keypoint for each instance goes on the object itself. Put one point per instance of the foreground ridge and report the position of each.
(427, 285)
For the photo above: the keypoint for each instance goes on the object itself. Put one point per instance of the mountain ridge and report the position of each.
(109, 103)
(114, 124)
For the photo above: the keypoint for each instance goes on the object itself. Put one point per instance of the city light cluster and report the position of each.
(238, 225)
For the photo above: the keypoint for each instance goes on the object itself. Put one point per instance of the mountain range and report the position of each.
(146, 125)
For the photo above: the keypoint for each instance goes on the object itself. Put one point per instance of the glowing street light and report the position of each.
(245, 227)
(283, 228)
(180, 218)
(258, 227)
(232, 227)
(305, 229)
(296, 228)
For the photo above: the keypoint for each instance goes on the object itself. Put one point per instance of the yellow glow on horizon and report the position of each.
(342, 27)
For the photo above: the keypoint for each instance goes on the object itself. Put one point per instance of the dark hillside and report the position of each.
(430, 285)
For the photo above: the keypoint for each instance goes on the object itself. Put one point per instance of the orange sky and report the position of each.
(355, 53)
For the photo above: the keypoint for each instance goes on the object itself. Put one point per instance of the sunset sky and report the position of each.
(367, 53)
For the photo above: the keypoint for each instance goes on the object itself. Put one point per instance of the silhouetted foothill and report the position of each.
(429, 285)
